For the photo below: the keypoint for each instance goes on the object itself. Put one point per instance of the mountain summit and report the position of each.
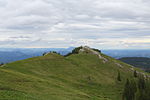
(83, 74)
(88, 50)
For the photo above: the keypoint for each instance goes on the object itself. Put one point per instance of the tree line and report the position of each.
(137, 88)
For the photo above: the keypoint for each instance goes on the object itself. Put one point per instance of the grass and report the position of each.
(54, 77)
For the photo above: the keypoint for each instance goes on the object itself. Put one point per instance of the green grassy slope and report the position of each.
(54, 77)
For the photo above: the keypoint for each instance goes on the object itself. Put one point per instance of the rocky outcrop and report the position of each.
(86, 49)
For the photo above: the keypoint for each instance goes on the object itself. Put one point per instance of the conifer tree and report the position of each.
(141, 83)
(126, 91)
(142, 89)
(135, 73)
(133, 89)
(119, 77)
(129, 90)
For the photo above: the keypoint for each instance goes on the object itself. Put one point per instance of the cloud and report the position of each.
(64, 23)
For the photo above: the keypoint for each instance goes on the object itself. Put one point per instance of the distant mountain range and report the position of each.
(127, 53)
(14, 54)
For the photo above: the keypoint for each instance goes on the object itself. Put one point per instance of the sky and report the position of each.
(103, 24)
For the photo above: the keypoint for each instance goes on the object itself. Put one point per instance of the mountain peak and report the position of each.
(88, 50)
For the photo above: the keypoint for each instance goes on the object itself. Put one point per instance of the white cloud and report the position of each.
(64, 23)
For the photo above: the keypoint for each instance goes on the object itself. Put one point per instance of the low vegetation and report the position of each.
(78, 76)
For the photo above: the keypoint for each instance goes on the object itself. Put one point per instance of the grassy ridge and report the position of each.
(54, 77)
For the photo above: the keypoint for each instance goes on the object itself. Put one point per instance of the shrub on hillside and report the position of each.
(74, 51)
(1, 64)
(97, 50)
